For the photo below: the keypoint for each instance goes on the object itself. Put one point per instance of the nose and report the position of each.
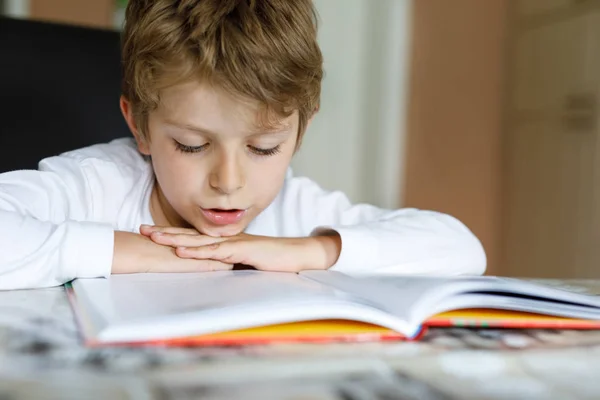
(227, 175)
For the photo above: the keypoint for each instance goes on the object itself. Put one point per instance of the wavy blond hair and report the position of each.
(265, 50)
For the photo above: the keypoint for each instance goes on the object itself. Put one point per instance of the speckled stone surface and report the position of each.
(41, 356)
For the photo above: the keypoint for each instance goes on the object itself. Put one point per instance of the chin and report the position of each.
(220, 231)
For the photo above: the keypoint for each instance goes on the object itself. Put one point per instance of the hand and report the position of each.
(135, 253)
(260, 252)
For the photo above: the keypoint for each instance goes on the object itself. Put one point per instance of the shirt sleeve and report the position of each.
(375, 240)
(45, 239)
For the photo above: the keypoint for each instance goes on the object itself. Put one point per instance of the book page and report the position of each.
(414, 298)
(138, 296)
(151, 306)
(404, 297)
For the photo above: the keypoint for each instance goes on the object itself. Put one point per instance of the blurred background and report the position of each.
(483, 109)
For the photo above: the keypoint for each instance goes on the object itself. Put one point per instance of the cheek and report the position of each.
(176, 173)
(267, 178)
(165, 166)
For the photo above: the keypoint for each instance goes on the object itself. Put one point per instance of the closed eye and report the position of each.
(190, 149)
(265, 152)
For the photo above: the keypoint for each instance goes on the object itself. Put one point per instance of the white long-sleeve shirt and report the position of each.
(57, 223)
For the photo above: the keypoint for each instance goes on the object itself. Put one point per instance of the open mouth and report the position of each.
(223, 217)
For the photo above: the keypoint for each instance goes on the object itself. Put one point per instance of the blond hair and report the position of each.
(264, 50)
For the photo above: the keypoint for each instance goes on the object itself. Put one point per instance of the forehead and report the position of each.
(194, 103)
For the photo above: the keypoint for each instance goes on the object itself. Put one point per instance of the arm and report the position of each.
(320, 230)
(136, 253)
(44, 237)
(374, 240)
(48, 235)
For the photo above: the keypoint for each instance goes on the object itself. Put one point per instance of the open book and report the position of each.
(251, 306)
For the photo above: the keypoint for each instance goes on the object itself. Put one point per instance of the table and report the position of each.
(41, 356)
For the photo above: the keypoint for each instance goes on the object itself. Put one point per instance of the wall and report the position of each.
(355, 142)
(98, 13)
(551, 217)
(16, 8)
(453, 149)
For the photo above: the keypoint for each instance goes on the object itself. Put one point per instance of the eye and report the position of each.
(265, 152)
(189, 149)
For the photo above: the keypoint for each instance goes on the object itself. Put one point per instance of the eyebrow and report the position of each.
(278, 131)
(193, 128)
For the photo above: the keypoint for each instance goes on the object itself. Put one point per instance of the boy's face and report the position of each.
(216, 168)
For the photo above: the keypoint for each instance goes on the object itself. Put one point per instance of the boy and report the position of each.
(217, 94)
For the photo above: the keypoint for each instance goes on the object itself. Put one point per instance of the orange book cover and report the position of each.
(486, 318)
(325, 331)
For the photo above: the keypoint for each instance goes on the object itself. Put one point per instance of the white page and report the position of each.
(152, 306)
(406, 297)
(139, 296)
(415, 298)
(501, 302)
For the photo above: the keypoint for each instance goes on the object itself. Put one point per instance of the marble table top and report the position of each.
(41, 356)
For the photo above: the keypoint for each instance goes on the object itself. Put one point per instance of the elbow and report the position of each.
(465, 249)
(472, 255)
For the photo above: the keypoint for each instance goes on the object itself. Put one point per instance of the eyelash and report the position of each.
(259, 152)
(265, 152)
(189, 149)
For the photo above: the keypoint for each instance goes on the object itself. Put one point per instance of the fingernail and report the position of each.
(157, 233)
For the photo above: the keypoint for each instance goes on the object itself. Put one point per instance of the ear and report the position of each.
(127, 111)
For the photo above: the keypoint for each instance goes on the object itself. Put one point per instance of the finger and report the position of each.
(183, 240)
(221, 251)
(147, 230)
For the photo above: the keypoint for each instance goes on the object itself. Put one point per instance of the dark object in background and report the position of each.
(59, 90)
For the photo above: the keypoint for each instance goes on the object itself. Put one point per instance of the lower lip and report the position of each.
(223, 217)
